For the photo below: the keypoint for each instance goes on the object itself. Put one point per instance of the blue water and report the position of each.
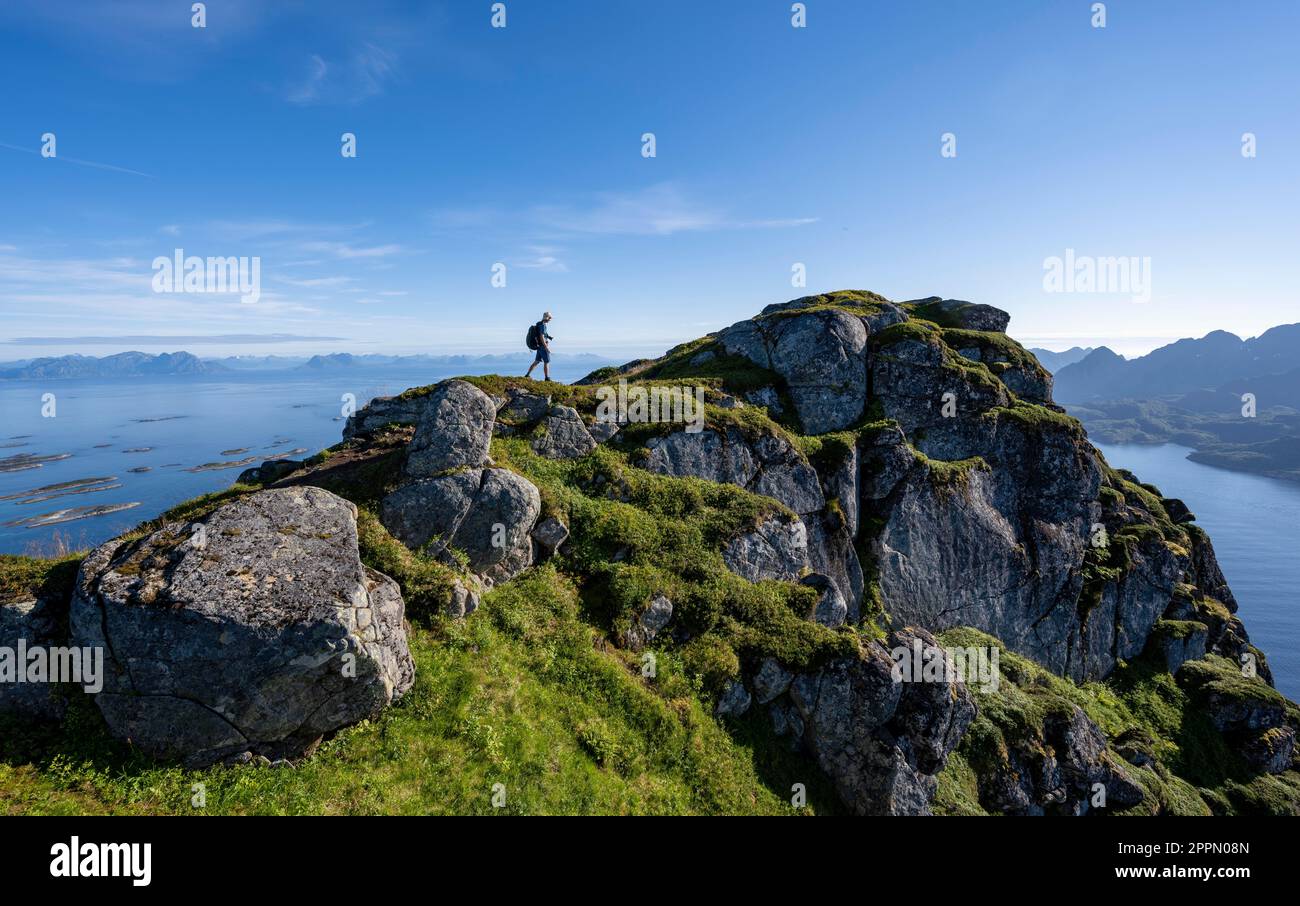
(1254, 523)
(185, 422)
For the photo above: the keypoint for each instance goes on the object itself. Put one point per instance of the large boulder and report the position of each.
(254, 631)
(821, 355)
(454, 431)
(483, 515)
(563, 435)
(996, 537)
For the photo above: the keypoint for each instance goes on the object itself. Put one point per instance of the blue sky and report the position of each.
(522, 145)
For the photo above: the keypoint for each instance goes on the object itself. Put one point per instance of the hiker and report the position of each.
(539, 339)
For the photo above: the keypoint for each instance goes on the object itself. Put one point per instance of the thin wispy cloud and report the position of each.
(659, 210)
(265, 228)
(317, 282)
(79, 162)
(542, 259)
(362, 75)
(346, 251)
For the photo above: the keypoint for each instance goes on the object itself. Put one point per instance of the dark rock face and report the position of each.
(1063, 769)
(1179, 644)
(256, 630)
(454, 430)
(880, 740)
(913, 379)
(994, 552)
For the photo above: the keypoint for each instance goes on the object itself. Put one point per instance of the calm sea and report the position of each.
(1254, 523)
(138, 441)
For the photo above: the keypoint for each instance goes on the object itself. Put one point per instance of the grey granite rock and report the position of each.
(256, 629)
(454, 431)
(563, 435)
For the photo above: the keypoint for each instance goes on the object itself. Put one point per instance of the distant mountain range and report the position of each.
(1194, 393)
(1181, 367)
(1055, 361)
(140, 364)
(340, 360)
(124, 364)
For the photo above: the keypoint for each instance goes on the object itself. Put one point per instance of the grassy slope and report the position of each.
(518, 695)
(527, 692)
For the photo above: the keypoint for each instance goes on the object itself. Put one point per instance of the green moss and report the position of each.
(826, 452)
(958, 789)
(913, 329)
(1219, 677)
(954, 474)
(426, 583)
(1165, 793)
(933, 311)
(1002, 347)
(1110, 498)
(1180, 630)
(1037, 418)
(856, 302)
(634, 534)
(1267, 794)
(1148, 499)
(1193, 759)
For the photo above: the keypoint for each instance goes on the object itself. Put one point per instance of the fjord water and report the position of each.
(1254, 523)
(168, 426)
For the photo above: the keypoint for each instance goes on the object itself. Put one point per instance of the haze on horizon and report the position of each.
(523, 146)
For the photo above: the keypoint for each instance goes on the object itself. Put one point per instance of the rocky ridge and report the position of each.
(870, 476)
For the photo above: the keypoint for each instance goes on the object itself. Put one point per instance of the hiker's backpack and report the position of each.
(531, 339)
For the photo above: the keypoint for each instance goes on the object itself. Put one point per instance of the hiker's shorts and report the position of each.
(543, 355)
